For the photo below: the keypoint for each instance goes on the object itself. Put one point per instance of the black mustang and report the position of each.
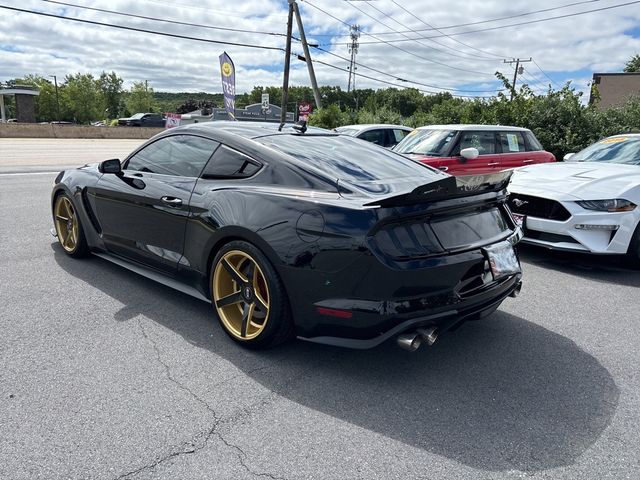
(298, 232)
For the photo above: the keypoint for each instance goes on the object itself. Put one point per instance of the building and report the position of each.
(613, 88)
(25, 103)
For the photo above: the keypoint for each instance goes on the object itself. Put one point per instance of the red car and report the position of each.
(473, 149)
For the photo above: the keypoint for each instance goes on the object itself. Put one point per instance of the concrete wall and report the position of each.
(24, 130)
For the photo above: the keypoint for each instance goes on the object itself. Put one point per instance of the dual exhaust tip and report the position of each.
(412, 341)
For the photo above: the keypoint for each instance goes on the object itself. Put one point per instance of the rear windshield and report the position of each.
(435, 143)
(346, 131)
(612, 150)
(347, 158)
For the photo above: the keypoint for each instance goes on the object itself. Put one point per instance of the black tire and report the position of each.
(69, 228)
(241, 277)
(633, 253)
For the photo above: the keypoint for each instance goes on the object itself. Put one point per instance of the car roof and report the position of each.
(465, 127)
(249, 130)
(367, 126)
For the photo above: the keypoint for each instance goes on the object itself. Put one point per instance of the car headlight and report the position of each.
(614, 205)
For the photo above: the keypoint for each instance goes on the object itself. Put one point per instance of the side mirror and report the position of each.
(567, 157)
(110, 166)
(469, 153)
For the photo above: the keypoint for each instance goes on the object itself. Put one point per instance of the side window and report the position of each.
(485, 142)
(379, 137)
(398, 135)
(180, 155)
(512, 142)
(229, 163)
(533, 145)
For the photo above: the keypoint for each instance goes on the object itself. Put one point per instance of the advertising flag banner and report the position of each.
(228, 73)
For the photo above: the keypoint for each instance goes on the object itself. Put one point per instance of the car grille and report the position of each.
(538, 207)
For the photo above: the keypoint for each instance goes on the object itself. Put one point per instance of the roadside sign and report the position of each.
(265, 102)
(304, 110)
(173, 120)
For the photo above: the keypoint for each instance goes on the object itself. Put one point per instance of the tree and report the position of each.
(110, 86)
(633, 65)
(140, 98)
(81, 99)
(329, 116)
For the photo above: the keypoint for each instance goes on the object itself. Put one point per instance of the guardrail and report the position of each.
(36, 130)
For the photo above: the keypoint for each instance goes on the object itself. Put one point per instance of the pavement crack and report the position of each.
(194, 446)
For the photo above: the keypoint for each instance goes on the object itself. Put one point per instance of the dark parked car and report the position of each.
(143, 120)
(473, 149)
(296, 232)
(381, 134)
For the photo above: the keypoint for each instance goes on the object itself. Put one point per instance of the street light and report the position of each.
(55, 80)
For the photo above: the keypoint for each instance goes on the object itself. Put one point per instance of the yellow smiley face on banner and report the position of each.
(227, 69)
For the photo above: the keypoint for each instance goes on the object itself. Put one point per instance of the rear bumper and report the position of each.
(444, 320)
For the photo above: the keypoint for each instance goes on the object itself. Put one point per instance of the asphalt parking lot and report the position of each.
(107, 375)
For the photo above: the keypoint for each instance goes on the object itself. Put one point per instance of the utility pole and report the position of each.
(353, 50)
(307, 56)
(519, 69)
(287, 63)
(55, 82)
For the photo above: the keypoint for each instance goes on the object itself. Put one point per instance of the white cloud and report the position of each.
(567, 49)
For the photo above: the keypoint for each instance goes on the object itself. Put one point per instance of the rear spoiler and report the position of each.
(449, 187)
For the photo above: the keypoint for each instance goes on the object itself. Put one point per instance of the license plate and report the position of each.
(521, 220)
(502, 259)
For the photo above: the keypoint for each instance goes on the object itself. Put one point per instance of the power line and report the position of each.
(403, 79)
(545, 74)
(143, 30)
(440, 31)
(466, 32)
(156, 19)
(448, 27)
(466, 55)
(399, 48)
(391, 83)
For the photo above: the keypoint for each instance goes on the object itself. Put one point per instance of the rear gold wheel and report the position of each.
(241, 295)
(248, 296)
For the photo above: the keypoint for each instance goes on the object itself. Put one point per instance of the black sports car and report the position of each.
(298, 232)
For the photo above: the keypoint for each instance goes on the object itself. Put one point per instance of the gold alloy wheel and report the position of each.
(241, 295)
(66, 222)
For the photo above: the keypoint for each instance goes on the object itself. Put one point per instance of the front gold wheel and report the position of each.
(66, 221)
(241, 295)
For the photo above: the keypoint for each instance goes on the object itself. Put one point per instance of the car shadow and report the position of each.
(500, 394)
(616, 269)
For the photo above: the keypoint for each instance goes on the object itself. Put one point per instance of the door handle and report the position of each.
(494, 163)
(527, 161)
(172, 201)
(444, 169)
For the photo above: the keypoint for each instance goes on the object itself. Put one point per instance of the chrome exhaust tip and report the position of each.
(516, 291)
(429, 335)
(409, 341)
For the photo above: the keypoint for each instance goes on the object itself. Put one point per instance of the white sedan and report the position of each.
(588, 203)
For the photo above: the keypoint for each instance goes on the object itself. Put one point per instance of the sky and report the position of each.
(441, 49)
